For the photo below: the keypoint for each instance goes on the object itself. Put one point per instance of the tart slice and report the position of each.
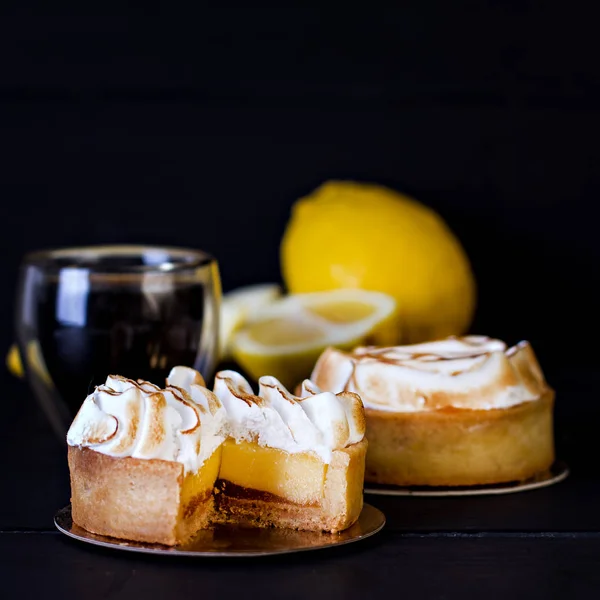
(290, 462)
(144, 460)
(157, 465)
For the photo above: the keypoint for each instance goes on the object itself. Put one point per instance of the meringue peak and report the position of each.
(124, 417)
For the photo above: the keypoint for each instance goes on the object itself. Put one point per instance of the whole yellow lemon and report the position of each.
(356, 235)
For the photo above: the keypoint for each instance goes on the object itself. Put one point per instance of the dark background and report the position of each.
(201, 130)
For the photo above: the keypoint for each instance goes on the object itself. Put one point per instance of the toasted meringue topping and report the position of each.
(471, 372)
(214, 415)
(320, 423)
(138, 419)
(186, 423)
(353, 407)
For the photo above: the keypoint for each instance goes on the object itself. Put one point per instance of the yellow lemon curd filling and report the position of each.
(298, 478)
(198, 486)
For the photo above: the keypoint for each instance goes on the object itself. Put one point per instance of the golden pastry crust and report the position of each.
(460, 447)
(339, 509)
(343, 498)
(134, 499)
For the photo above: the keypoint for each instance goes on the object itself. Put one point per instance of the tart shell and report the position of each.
(460, 447)
(134, 499)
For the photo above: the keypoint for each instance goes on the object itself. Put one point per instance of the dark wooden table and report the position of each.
(539, 544)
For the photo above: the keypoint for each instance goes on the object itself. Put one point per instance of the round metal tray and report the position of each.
(558, 472)
(225, 541)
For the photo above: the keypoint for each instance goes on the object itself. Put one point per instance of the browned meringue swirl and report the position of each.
(471, 372)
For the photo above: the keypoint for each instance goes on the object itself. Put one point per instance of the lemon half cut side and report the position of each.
(287, 336)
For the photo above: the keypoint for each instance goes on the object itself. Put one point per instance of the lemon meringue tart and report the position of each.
(157, 465)
(455, 412)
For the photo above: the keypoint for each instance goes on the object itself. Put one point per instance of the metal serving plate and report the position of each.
(557, 473)
(235, 541)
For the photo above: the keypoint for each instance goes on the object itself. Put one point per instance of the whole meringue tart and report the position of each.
(455, 412)
(157, 465)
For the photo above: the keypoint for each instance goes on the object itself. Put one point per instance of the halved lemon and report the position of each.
(285, 338)
(238, 306)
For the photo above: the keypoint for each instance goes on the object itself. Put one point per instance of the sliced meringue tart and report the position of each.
(157, 465)
(454, 412)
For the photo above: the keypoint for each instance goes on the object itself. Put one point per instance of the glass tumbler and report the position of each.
(136, 311)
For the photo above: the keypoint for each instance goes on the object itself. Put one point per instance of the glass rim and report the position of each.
(161, 259)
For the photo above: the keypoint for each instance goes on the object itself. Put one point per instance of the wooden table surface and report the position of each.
(538, 544)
